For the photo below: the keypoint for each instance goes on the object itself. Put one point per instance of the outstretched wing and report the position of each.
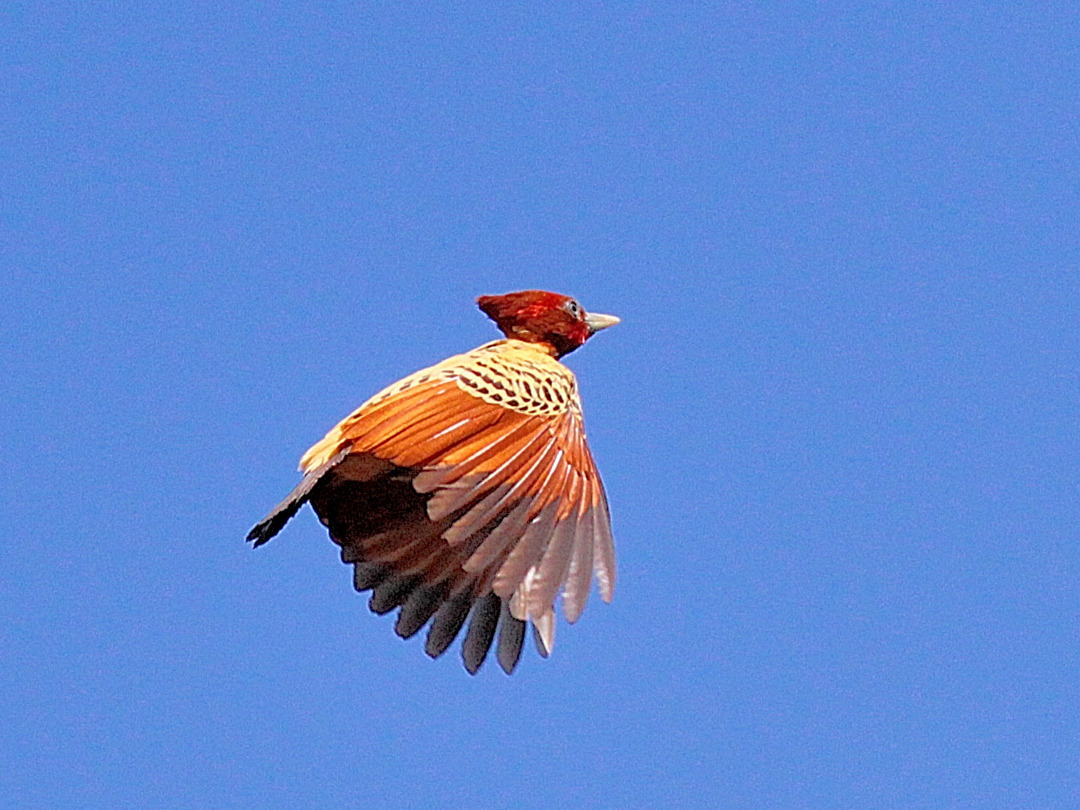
(466, 484)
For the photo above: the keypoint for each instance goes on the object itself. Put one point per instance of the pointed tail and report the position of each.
(273, 523)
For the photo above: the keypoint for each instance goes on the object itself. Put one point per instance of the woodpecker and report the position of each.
(468, 489)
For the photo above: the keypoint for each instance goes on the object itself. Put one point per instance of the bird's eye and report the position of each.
(573, 307)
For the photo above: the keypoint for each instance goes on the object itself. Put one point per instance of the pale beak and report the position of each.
(595, 321)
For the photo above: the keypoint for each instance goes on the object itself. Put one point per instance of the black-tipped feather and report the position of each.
(511, 639)
(448, 620)
(368, 575)
(391, 593)
(485, 618)
(418, 608)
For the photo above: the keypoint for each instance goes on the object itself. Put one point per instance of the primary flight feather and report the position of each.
(467, 488)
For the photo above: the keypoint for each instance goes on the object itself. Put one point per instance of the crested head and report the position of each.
(548, 318)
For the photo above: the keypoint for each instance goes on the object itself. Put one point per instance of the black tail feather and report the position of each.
(283, 512)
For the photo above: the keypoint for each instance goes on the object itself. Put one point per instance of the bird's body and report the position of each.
(468, 487)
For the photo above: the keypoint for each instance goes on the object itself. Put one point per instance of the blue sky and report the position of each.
(838, 424)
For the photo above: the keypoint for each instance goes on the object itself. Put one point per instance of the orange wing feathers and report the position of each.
(466, 488)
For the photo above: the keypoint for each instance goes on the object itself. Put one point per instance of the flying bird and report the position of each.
(468, 489)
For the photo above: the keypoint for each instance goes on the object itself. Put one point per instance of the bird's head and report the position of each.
(536, 316)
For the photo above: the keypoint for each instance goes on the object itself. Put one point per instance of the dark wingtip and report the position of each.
(447, 624)
(485, 618)
(511, 639)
